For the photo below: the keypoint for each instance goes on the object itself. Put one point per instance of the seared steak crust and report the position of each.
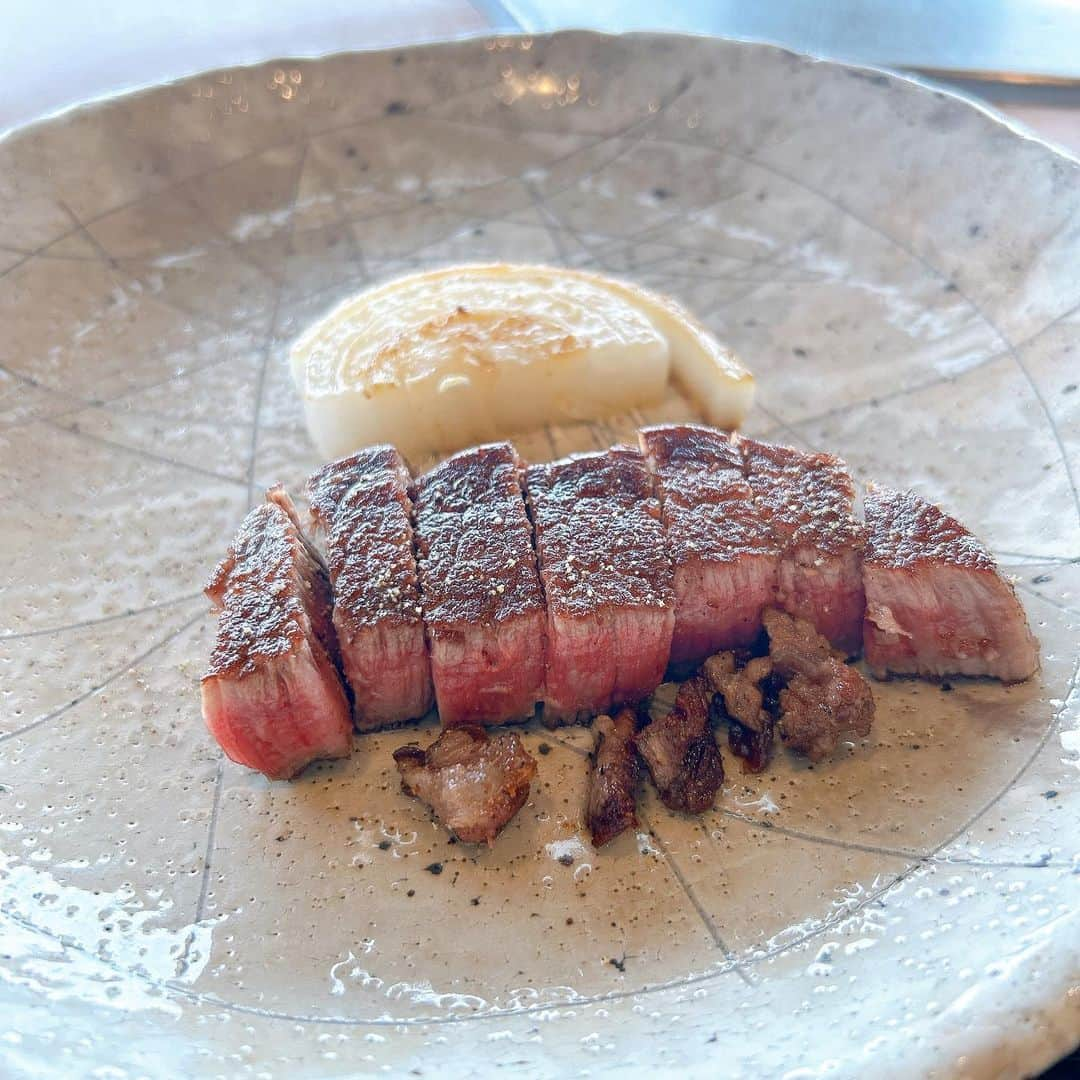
(723, 550)
(808, 500)
(480, 592)
(740, 700)
(610, 806)
(606, 578)
(272, 695)
(936, 603)
(824, 697)
(681, 752)
(362, 504)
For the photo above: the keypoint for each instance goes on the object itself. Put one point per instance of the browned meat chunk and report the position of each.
(483, 605)
(362, 505)
(808, 500)
(750, 729)
(681, 752)
(272, 695)
(612, 782)
(473, 782)
(824, 697)
(606, 578)
(936, 603)
(723, 550)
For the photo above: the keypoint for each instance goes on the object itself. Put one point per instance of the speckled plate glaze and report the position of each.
(902, 272)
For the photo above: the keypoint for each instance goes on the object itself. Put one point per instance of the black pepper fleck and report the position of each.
(434, 868)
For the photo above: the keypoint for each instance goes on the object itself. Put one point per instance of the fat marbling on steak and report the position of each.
(936, 603)
(480, 592)
(723, 549)
(607, 581)
(272, 695)
(361, 504)
(808, 500)
(474, 782)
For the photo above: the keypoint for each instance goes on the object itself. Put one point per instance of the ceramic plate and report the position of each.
(901, 271)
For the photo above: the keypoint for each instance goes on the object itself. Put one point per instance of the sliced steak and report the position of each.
(610, 806)
(824, 697)
(473, 782)
(606, 579)
(480, 592)
(808, 499)
(681, 752)
(936, 603)
(740, 700)
(722, 548)
(361, 503)
(272, 695)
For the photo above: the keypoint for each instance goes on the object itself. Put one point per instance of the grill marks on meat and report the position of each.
(741, 701)
(272, 695)
(483, 605)
(606, 580)
(936, 603)
(723, 550)
(610, 804)
(681, 752)
(362, 504)
(824, 697)
(473, 782)
(808, 500)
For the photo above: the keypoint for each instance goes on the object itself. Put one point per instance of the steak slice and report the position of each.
(361, 503)
(483, 605)
(722, 548)
(610, 805)
(936, 603)
(606, 579)
(681, 752)
(272, 696)
(740, 700)
(824, 697)
(473, 782)
(808, 499)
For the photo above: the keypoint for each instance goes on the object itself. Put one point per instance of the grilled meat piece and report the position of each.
(473, 782)
(808, 500)
(606, 579)
(739, 695)
(272, 695)
(723, 550)
(936, 603)
(483, 605)
(681, 752)
(824, 697)
(361, 503)
(613, 779)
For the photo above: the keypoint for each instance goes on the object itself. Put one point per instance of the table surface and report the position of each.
(64, 53)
